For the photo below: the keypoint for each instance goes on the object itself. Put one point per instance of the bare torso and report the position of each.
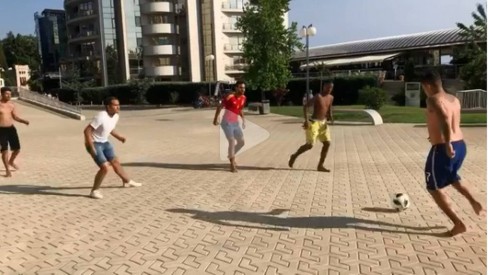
(452, 107)
(321, 106)
(6, 118)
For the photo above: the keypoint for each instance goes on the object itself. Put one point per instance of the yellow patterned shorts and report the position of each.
(317, 130)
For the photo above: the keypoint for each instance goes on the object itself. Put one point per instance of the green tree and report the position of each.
(112, 65)
(72, 81)
(21, 50)
(474, 72)
(3, 59)
(268, 44)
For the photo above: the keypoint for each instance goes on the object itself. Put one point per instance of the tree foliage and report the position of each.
(474, 71)
(21, 50)
(268, 44)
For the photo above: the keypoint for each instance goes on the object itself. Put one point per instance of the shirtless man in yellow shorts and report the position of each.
(316, 127)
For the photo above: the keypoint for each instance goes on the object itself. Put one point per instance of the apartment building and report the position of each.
(52, 39)
(104, 38)
(167, 40)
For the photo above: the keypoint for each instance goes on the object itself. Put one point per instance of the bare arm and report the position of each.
(441, 114)
(88, 139)
(217, 113)
(117, 136)
(17, 118)
(329, 112)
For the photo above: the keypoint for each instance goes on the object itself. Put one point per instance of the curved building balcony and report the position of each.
(157, 7)
(83, 36)
(161, 71)
(159, 50)
(158, 28)
(80, 16)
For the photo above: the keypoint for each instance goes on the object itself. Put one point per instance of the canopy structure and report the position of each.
(350, 60)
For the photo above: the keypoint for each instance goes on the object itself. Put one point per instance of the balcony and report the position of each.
(157, 7)
(159, 50)
(235, 68)
(230, 28)
(82, 36)
(81, 15)
(232, 48)
(158, 28)
(161, 71)
(234, 6)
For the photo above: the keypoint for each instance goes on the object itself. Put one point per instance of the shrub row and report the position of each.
(346, 92)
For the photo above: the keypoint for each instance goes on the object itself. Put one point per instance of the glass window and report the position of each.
(138, 21)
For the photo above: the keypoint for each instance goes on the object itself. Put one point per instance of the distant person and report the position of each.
(233, 103)
(100, 148)
(316, 127)
(448, 149)
(8, 132)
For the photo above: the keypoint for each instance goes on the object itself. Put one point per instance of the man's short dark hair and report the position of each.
(5, 89)
(431, 77)
(108, 100)
(238, 82)
(327, 82)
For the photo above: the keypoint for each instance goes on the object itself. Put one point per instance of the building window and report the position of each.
(138, 21)
(162, 61)
(161, 40)
(158, 19)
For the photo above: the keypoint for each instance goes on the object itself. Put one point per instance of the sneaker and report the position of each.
(291, 160)
(132, 183)
(96, 194)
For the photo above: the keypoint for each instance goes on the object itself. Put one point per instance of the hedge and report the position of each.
(346, 92)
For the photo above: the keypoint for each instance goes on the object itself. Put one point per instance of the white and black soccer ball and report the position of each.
(401, 201)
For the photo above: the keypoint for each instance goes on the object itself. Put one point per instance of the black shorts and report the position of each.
(9, 136)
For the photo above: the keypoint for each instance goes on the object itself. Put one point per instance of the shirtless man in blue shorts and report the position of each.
(448, 149)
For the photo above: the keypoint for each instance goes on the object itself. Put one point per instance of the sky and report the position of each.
(336, 20)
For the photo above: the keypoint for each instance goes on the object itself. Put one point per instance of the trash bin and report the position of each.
(264, 108)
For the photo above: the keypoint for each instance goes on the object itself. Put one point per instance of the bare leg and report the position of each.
(100, 176)
(477, 207)
(323, 155)
(11, 162)
(5, 163)
(231, 154)
(304, 148)
(441, 200)
(119, 170)
(239, 145)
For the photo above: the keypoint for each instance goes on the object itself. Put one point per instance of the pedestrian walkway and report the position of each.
(191, 216)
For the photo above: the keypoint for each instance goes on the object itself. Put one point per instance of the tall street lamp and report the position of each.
(209, 58)
(307, 32)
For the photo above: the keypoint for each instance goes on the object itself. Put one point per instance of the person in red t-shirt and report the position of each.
(233, 103)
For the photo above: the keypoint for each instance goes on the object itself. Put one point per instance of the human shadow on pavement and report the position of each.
(276, 222)
(380, 210)
(201, 166)
(42, 190)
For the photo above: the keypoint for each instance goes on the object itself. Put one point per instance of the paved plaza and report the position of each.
(192, 216)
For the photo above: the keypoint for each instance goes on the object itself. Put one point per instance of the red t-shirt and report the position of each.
(233, 106)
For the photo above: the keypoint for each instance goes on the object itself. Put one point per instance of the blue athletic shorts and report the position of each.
(442, 171)
(105, 152)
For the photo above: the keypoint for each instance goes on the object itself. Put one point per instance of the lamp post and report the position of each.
(307, 32)
(209, 58)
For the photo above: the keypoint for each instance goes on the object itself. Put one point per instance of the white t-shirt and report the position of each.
(103, 125)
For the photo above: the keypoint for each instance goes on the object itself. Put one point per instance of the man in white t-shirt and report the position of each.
(100, 148)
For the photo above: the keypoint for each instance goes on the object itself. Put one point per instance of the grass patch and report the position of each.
(389, 113)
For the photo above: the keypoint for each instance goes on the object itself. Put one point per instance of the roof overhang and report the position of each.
(349, 61)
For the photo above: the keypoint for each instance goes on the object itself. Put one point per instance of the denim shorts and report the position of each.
(105, 152)
(232, 130)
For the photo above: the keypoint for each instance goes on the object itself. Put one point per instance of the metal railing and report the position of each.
(472, 99)
(49, 101)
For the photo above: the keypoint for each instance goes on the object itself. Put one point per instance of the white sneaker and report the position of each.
(96, 194)
(132, 183)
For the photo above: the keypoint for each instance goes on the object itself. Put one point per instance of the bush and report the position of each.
(399, 99)
(373, 97)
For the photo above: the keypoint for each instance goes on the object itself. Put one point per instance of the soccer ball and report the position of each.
(401, 201)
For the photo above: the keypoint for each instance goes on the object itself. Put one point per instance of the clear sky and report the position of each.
(336, 20)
